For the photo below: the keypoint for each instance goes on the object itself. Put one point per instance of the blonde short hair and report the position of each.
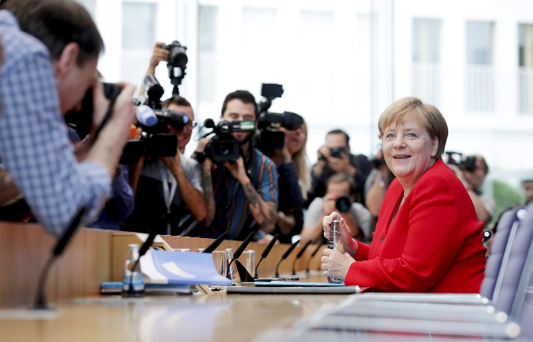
(411, 107)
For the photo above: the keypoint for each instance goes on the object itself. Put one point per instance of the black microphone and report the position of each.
(320, 243)
(40, 299)
(298, 256)
(291, 248)
(266, 252)
(240, 249)
(215, 243)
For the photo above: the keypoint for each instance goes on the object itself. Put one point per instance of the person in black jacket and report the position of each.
(293, 183)
(335, 157)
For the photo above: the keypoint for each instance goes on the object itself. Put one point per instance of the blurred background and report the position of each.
(343, 62)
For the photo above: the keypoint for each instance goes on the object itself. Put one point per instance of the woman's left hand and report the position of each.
(335, 264)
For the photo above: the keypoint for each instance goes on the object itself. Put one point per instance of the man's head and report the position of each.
(477, 176)
(527, 185)
(338, 139)
(340, 185)
(239, 106)
(180, 104)
(71, 36)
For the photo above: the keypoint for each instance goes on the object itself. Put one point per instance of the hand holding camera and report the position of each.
(160, 54)
(238, 170)
(339, 161)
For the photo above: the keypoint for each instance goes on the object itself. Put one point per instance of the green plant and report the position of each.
(505, 196)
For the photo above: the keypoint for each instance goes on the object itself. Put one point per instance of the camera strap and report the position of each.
(168, 193)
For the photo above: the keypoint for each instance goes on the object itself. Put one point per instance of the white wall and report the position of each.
(344, 70)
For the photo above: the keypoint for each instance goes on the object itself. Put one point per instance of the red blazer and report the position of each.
(434, 244)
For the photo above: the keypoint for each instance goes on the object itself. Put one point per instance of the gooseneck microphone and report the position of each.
(266, 252)
(298, 256)
(240, 249)
(215, 243)
(142, 251)
(285, 255)
(40, 299)
(320, 243)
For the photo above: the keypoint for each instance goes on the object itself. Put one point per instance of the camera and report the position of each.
(155, 142)
(456, 158)
(270, 137)
(177, 63)
(337, 152)
(343, 204)
(223, 147)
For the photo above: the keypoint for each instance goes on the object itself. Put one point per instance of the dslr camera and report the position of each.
(270, 137)
(464, 163)
(337, 152)
(155, 141)
(223, 147)
(177, 63)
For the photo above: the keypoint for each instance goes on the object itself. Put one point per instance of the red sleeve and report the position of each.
(362, 251)
(421, 246)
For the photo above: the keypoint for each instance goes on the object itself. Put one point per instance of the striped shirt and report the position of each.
(236, 217)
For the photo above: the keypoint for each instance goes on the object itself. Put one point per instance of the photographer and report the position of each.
(473, 178)
(339, 198)
(169, 188)
(49, 64)
(335, 157)
(240, 196)
(377, 184)
(293, 182)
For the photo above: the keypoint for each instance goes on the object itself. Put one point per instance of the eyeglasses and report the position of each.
(191, 124)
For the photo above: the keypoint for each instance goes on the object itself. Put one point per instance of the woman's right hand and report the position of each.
(349, 244)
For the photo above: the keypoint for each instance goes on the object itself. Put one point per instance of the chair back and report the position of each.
(515, 272)
(500, 251)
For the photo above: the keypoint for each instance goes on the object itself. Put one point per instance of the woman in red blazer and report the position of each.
(427, 238)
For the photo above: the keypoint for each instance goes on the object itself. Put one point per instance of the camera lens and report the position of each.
(343, 204)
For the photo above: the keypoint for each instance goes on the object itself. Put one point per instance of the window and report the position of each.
(138, 26)
(138, 39)
(525, 68)
(316, 54)
(479, 73)
(426, 50)
(262, 57)
(207, 54)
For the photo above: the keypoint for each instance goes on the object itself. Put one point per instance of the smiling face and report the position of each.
(184, 136)
(408, 150)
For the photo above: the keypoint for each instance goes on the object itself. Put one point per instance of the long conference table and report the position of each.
(93, 256)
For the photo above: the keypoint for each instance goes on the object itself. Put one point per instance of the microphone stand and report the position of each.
(298, 256)
(265, 253)
(239, 251)
(291, 248)
(320, 243)
(144, 248)
(215, 243)
(40, 299)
